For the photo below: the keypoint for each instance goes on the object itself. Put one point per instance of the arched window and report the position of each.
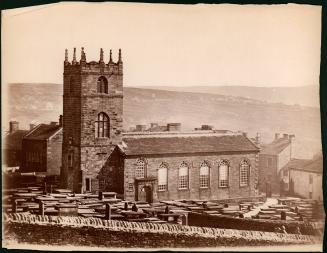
(162, 177)
(102, 125)
(204, 175)
(102, 85)
(223, 171)
(244, 173)
(140, 168)
(183, 176)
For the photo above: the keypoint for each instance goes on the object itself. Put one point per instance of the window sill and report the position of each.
(204, 188)
(223, 187)
(244, 186)
(183, 189)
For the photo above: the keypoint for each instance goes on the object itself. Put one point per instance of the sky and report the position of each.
(171, 45)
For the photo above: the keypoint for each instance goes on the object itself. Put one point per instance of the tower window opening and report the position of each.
(102, 125)
(102, 85)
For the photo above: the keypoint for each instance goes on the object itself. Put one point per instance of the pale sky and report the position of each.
(174, 45)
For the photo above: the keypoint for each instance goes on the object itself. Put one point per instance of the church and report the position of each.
(143, 166)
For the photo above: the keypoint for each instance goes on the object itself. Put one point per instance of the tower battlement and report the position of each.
(96, 66)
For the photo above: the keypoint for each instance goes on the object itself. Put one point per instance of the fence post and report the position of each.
(108, 212)
(100, 195)
(185, 220)
(283, 215)
(14, 206)
(41, 208)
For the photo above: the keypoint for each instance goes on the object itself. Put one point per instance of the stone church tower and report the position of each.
(92, 118)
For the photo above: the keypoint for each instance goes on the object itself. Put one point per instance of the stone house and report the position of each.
(272, 158)
(304, 177)
(41, 150)
(12, 145)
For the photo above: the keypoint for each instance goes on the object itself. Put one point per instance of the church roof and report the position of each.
(43, 132)
(276, 146)
(152, 145)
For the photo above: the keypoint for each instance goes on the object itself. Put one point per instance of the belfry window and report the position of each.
(140, 168)
(102, 85)
(102, 125)
(183, 176)
(244, 173)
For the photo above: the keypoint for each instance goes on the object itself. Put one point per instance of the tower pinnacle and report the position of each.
(83, 57)
(74, 56)
(66, 55)
(110, 56)
(101, 55)
(119, 56)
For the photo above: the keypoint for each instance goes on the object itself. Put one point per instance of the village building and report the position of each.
(41, 150)
(164, 166)
(303, 177)
(272, 158)
(12, 146)
(150, 166)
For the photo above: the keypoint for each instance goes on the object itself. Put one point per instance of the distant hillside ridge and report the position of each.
(42, 103)
(302, 95)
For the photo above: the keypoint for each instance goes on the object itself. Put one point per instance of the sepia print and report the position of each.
(155, 126)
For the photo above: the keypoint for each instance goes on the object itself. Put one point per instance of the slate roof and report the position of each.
(143, 145)
(14, 140)
(310, 165)
(275, 147)
(43, 132)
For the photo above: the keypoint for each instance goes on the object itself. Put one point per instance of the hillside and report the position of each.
(304, 95)
(43, 103)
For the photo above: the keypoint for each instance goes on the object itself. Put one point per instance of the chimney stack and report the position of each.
(245, 134)
(276, 136)
(285, 136)
(13, 126)
(32, 126)
(257, 139)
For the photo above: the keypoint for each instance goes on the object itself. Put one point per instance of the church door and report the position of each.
(148, 194)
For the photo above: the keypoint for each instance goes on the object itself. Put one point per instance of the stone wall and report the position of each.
(54, 153)
(268, 174)
(203, 220)
(195, 192)
(37, 148)
(54, 230)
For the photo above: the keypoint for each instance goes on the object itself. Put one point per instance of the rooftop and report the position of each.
(277, 146)
(43, 132)
(14, 140)
(185, 143)
(310, 165)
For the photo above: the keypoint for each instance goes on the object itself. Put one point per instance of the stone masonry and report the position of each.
(82, 103)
